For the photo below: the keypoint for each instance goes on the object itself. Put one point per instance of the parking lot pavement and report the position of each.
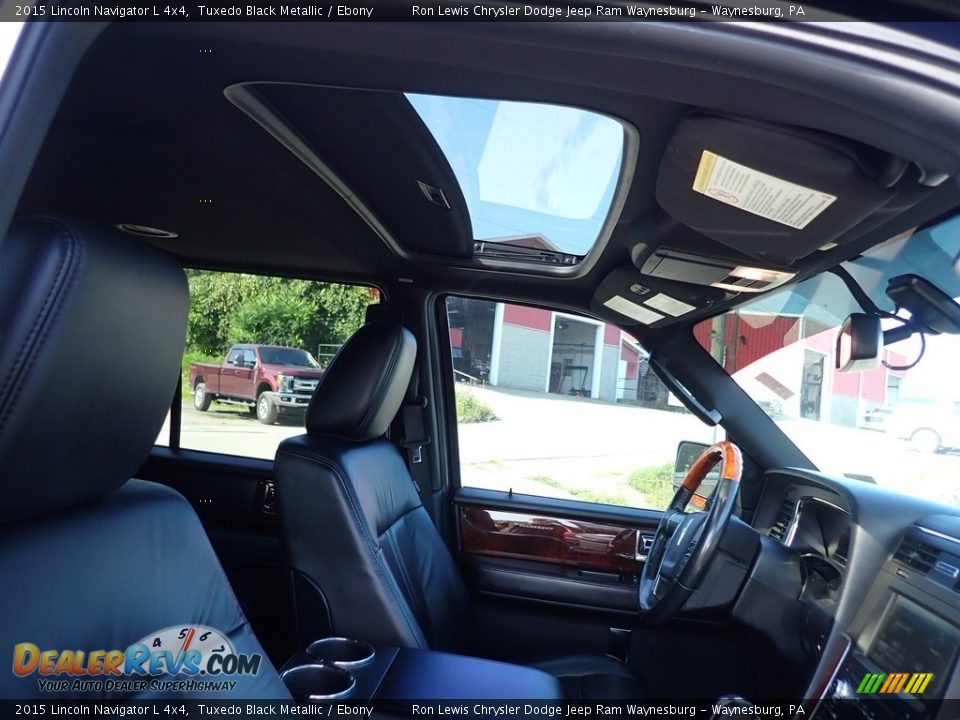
(569, 443)
(230, 430)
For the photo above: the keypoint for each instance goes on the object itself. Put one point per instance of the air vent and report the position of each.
(779, 529)
(843, 549)
(916, 554)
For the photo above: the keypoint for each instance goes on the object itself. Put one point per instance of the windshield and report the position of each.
(894, 425)
(533, 175)
(289, 357)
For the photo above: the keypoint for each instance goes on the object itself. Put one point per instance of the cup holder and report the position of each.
(318, 682)
(342, 652)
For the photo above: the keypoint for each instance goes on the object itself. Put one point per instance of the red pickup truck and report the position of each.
(268, 379)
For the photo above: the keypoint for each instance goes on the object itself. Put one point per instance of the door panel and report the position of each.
(576, 593)
(553, 551)
(230, 496)
(576, 588)
(582, 544)
(550, 576)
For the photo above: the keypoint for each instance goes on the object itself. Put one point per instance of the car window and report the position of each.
(562, 406)
(894, 424)
(248, 408)
(9, 33)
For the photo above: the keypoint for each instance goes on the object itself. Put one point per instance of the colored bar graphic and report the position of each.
(903, 681)
(878, 680)
(870, 683)
(894, 683)
(892, 679)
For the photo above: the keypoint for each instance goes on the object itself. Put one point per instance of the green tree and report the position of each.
(226, 308)
(345, 307)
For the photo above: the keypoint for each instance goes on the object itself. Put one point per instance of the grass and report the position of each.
(547, 480)
(584, 494)
(472, 410)
(655, 483)
(600, 497)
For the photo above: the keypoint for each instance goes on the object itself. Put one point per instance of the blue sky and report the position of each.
(9, 32)
(528, 168)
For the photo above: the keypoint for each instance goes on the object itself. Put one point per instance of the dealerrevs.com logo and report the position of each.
(178, 658)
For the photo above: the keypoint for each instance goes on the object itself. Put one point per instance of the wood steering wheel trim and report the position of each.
(656, 606)
(726, 454)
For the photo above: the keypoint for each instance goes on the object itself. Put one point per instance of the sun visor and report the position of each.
(772, 192)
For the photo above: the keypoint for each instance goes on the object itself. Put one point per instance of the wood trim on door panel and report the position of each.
(583, 544)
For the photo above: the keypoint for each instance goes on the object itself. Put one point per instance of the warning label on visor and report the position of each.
(759, 193)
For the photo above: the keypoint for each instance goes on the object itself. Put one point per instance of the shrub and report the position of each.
(227, 308)
(472, 410)
(655, 483)
(195, 357)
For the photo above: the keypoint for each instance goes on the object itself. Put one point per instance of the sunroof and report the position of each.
(533, 175)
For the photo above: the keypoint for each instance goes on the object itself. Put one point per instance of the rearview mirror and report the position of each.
(929, 306)
(860, 343)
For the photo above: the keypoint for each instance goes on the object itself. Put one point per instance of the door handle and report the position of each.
(644, 543)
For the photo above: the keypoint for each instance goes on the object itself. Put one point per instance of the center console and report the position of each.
(904, 643)
(346, 669)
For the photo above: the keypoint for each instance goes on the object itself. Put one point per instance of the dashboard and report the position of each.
(820, 527)
(875, 591)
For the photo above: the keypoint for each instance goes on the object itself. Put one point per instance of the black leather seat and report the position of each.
(92, 326)
(367, 560)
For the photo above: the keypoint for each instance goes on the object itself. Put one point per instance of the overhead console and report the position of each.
(746, 204)
(721, 273)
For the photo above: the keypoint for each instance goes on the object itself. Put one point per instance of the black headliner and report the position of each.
(146, 136)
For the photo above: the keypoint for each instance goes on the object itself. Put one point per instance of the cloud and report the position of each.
(549, 159)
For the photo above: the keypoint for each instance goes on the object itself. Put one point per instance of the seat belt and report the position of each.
(414, 437)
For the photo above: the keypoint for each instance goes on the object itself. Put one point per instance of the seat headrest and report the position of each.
(92, 328)
(363, 386)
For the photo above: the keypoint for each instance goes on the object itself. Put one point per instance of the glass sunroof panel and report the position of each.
(533, 175)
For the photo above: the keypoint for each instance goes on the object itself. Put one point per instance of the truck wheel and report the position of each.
(266, 409)
(925, 440)
(201, 401)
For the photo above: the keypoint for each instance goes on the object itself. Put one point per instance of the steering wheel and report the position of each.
(686, 543)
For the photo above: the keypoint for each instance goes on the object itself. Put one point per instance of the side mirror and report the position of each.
(687, 454)
(860, 343)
